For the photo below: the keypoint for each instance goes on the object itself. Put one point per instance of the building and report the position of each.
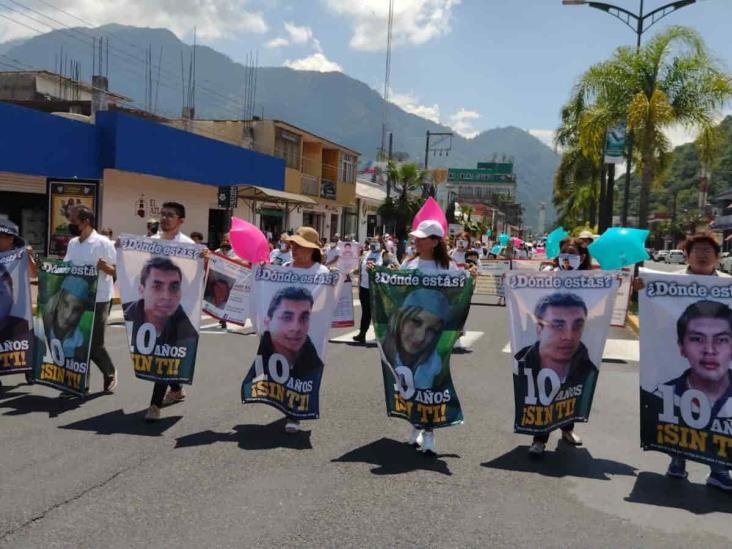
(370, 196)
(320, 175)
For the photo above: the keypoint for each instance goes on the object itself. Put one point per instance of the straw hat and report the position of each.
(307, 237)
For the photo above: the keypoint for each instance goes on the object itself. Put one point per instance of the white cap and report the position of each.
(427, 228)
(586, 234)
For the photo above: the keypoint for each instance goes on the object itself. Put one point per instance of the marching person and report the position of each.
(702, 254)
(462, 245)
(90, 248)
(332, 252)
(281, 254)
(573, 256)
(373, 256)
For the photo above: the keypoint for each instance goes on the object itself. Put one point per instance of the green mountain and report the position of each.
(333, 105)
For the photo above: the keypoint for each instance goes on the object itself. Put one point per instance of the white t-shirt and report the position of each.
(89, 252)
(371, 256)
(427, 265)
(458, 256)
(332, 254)
(278, 257)
(179, 237)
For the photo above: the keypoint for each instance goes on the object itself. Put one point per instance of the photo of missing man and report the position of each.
(160, 290)
(412, 336)
(11, 327)
(704, 338)
(218, 288)
(62, 315)
(286, 332)
(560, 322)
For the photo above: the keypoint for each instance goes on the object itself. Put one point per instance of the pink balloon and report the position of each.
(430, 211)
(248, 241)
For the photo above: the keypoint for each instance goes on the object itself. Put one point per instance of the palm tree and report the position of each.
(405, 179)
(576, 193)
(671, 81)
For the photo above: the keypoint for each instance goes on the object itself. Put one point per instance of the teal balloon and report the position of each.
(495, 250)
(619, 247)
(552, 242)
(503, 239)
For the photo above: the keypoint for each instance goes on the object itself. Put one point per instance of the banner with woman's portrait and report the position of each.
(16, 350)
(226, 296)
(417, 318)
(292, 310)
(161, 287)
(559, 323)
(63, 325)
(685, 358)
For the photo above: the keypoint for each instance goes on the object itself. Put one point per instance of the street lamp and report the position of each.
(638, 26)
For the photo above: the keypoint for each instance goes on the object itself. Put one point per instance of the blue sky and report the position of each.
(472, 64)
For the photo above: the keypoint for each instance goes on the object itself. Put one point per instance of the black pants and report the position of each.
(364, 296)
(159, 392)
(99, 353)
(545, 437)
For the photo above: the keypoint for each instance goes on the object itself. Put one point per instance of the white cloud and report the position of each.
(410, 103)
(315, 62)
(212, 19)
(277, 43)
(415, 21)
(545, 136)
(462, 122)
(298, 35)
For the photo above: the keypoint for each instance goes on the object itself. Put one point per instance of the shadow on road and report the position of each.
(394, 458)
(7, 392)
(657, 489)
(251, 437)
(53, 406)
(565, 461)
(119, 423)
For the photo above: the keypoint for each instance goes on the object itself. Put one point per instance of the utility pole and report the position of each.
(386, 80)
(435, 149)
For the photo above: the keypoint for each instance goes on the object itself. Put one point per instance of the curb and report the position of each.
(634, 323)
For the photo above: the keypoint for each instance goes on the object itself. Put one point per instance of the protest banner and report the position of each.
(226, 296)
(622, 299)
(63, 325)
(161, 286)
(292, 310)
(685, 356)
(348, 257)
(16, 350)
(559, 322)
(343, 315)
(418, 318)
(490, 276)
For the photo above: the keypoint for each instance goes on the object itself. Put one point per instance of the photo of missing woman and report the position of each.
(218, 288)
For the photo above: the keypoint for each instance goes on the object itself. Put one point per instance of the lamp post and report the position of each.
(638, 23)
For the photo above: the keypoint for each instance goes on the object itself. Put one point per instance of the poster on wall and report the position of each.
(63, 195)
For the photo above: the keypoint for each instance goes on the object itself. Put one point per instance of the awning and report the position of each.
(251, 192)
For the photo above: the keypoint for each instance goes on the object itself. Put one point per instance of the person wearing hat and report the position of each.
(586, 237)
(281, 254)
(10, 240)
(90, 248)
(306, 258)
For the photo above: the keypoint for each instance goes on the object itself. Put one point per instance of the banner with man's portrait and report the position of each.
(685, 357)
(226, 296)
(161, 287)
(559, 322)
(349, 255)
(16, 349)
(63, 325)
(417, 318)
(292, 310)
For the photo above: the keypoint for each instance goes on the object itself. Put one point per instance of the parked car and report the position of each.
(722, 257)
(660, 255)
(675, 256)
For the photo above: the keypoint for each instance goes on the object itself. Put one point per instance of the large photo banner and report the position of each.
(63, 325)
(226, 296)
(343, 315)
(685, 356)
(491, 275)
(161, 287)
(418, 318)
(16, 323)
(559, 323)
(292, 310)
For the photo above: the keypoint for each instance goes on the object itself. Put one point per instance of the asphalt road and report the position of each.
(215, 473)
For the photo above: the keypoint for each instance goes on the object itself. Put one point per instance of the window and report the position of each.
(287, 147)
(348, 174)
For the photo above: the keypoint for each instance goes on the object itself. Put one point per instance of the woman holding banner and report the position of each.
(573, 256)
(371, 257)
(457, 254)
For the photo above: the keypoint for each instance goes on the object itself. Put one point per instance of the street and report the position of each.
(215, 473)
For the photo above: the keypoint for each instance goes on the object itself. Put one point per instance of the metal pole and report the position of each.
(427, 150)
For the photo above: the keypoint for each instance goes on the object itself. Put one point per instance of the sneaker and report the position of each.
(537, 448)
(359, 338)
(292, 426)
(152, 414)
(428, 444)
(110, 383)
(720, 479)
(415, 437)
(677, 468)
(570, 437)
(174, 396)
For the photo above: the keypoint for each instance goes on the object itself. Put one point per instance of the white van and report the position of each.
(675, 256)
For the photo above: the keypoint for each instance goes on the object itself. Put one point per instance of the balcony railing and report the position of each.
(309, 185)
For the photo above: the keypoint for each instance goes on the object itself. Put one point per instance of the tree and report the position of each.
(399, 211)
(671, 81)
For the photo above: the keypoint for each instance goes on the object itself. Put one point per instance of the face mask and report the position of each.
(74, 229)
(462, 243)
(153, 228)
(283, 247)
(569, 261)
(375, 247)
